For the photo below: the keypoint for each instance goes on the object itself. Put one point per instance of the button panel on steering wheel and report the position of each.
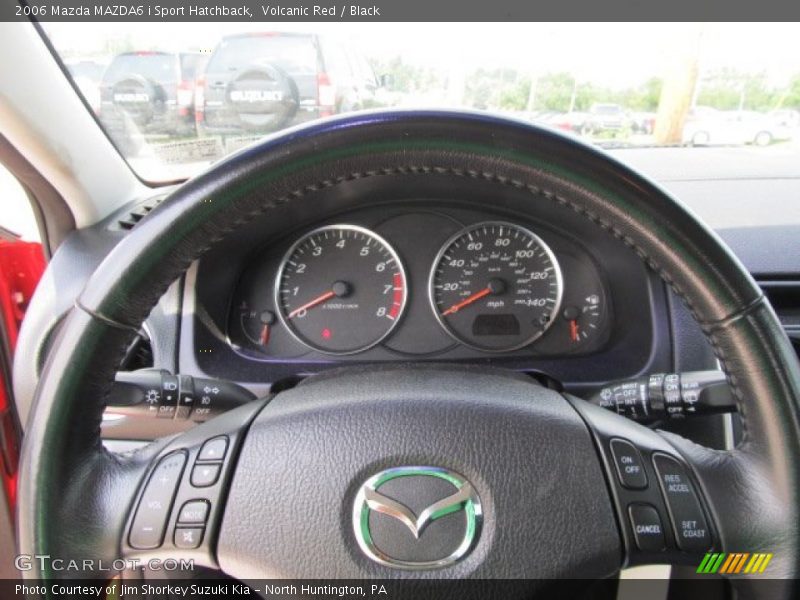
(661, 513)
(179, 508)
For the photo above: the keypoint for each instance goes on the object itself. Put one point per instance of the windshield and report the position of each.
(606, 109)
(176, 97)
(86, 69)
(156, 67)
(292, 53)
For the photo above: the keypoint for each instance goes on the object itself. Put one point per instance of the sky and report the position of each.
(615, 54)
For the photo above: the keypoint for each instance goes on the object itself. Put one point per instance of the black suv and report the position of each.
(149, 93)
(261, 82)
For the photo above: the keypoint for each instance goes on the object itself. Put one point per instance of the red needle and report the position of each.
(467, 301)
(265, 334)
(316, 301)
(573, 330)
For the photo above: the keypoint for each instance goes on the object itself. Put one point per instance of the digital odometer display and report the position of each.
(495, 286)
(341, 289)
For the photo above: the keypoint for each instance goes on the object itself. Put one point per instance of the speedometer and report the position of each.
(495, 286)
(341, 289)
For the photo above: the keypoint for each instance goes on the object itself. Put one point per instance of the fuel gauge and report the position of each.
(583, 319)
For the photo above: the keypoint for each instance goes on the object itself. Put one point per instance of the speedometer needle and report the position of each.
(315, 302)
(467, 301)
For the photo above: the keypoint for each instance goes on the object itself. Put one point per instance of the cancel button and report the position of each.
(646, 525)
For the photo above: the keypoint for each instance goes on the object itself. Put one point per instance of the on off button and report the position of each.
(628, 462)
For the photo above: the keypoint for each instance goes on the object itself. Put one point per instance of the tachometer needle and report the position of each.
(315, 302)
(467, 301)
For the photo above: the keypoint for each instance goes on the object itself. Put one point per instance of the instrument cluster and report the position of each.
(438, 284)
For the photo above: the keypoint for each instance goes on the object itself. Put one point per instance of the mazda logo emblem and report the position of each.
(418, 544)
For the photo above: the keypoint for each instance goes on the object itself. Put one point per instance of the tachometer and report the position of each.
(495, 286)
(341, 289)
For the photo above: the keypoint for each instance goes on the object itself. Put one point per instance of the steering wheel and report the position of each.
(416, 471)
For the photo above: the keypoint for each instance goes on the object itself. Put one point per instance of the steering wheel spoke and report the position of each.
(180, 502)
(662, 513)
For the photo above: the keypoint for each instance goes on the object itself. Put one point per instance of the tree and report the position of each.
(645, 97)
(730, 89)
(515, 96)
(119, 44)
(407, 78)
(554, 91)
(497, 88)
(790, 97)
(677, 93)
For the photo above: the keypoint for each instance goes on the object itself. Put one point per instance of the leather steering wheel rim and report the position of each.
(68, 481)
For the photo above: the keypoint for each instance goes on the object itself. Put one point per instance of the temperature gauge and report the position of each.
(257, 325)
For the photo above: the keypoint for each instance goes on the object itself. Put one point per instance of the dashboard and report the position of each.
(420, 284)
(425, 279)
(210, 322)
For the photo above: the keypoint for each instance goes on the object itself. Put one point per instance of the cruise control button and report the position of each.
(646, 525)
(628, 461)
(214, 449)
(205, 475)
(147, 530)
(188, 537)
(194, 511)
(688, 520)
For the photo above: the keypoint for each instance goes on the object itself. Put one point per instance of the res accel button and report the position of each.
(628, 462)
(688, 520)
(646, 525)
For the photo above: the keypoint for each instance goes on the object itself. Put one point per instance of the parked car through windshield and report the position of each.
(149, 92)
(261, 82)
(175, 102)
